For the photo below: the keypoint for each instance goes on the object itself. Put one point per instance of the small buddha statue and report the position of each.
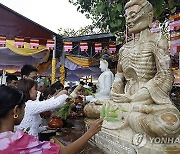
(105, 81)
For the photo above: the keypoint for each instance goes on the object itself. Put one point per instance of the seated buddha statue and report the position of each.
(105, 81)
(144, 78)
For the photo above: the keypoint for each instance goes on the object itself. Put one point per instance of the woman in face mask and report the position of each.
(12, 104)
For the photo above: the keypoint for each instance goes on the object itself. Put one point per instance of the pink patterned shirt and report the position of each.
(21, 143)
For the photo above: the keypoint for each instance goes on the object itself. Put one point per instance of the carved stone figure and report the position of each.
(144, 63)
(105, 81)
(141, 87)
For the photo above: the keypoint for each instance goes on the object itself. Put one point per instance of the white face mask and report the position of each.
(103, 66)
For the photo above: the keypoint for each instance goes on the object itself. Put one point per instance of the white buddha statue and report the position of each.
(105, 80)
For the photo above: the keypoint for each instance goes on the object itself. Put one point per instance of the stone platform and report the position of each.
(128, 142)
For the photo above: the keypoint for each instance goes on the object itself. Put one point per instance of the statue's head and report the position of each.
(105, 62)
(138, 15)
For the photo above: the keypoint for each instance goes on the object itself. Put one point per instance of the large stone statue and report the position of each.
(142, 86)
(144, 63)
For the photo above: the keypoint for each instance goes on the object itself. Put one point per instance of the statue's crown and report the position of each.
(144, 4)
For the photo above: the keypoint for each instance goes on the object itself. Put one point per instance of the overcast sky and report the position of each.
(51, 14)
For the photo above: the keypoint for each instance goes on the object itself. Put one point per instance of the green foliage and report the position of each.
(47, 82)
(108, 15)
(88, 91)
(87, 30)
(64, 111)
(110, 113)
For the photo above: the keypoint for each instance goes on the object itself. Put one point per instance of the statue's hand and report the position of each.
(117, 88)
(136, 107)
(142, 96)
(142, 108)
(120, 98)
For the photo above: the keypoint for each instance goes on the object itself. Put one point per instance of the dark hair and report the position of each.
(11, 77)
(9, 98)
(108, 59)
(47, 92)
(57, 86)
(27, 69)
(25, 86)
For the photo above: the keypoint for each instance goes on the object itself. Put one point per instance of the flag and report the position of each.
(19, 43)
(50, 45)
(68, 46)
(34, 44)
(84, 46)
(174, 25)
(98, 47)
(112, 48)
(2, 41)
(175, 46)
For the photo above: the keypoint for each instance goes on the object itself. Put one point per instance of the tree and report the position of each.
(87, 30)
(108, 15)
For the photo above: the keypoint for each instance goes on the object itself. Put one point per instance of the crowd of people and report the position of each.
(21, 103)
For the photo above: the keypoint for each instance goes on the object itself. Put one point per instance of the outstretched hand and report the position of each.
(79, 87)
(76, 146)
(95, 127)
(74, 94)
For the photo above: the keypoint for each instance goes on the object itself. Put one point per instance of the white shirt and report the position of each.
(33, 109)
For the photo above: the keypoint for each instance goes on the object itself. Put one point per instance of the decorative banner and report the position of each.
(174, 25)
(175, 46)
(112, 48)
(84, 46)
(2, 41)
(175, 35)
(34, 44)
(174, 22)
(175, 17)
(50, 45)
(19, 43)
(98, 47)
(68, 46)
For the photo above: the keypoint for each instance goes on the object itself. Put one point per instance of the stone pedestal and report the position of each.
(128, 142)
